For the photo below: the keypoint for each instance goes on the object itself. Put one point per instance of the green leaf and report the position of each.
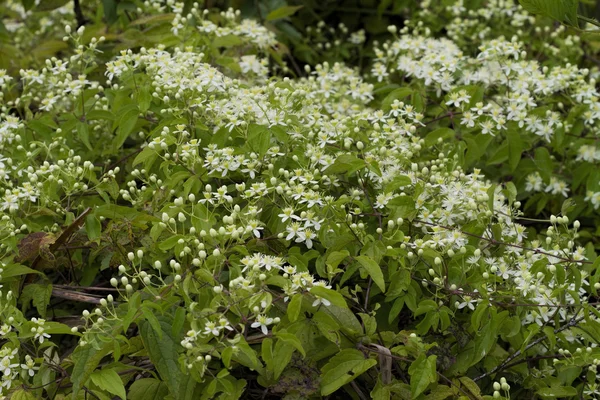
(336, 257)
(374, 271)
(12, 270)
(282, 12)
(346, 164)
(259, 138)
(83, 132)
(292, 340)
(147, 389)
(440, 392)
(99, 115)
(344, 317)
(544, 162)
(440, 133)
(39, 295)
(266, 352)
(383, 5)
(153, 19)
(470, 385)
(515, 148)
(226, 356)
(396, 94)
(343, 368)
(109, 380)
(144, 99)
(422, 373)
(227, 41)
(567, 206)
(152, 320)
(110, 11)
(21, 394)
(93, 227)
(164, 354)
(398, 182)
(56, 328)
(282, 355)
(511, 192)
(294, 308)
(402, 206)
(125, 126)
(49, 5)
(170, 242)
(491, 192)
(564, 11)
(557, 392)
(27, 4)
(331, 295)
(85, 360)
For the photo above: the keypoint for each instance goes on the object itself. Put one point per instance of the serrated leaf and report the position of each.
(343, 368)
(164, 354)
(109, 380)
(147, 389)
(85, 360)
(259, 139)
(422, 374)
(22, 394)
(12, 270)
(39, 295)
(564, 11)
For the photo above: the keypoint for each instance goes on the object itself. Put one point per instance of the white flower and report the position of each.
(39, 331)
(210, 328)
(306, 236)
(29, 365)
(262, 322)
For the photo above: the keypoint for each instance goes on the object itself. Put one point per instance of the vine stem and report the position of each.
(589, 20)
(573, 322)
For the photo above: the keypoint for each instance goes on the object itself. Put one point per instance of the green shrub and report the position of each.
(182, 220)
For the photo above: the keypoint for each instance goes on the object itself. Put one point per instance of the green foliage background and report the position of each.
(153, 239)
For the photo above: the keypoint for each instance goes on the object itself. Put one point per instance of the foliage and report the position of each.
(201, 205)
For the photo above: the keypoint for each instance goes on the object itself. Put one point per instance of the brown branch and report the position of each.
(75, 296)
(88, 288)
(81, 20)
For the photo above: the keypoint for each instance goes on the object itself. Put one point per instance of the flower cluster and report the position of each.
(234, 217)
